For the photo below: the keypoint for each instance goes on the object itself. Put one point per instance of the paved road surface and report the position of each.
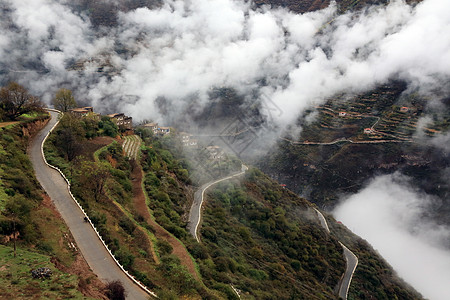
(195, 212)
(350, 258)
(352, 262)
(87, 241)
(323, 221)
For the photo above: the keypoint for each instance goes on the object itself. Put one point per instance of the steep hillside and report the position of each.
(43, 239)
(352, 140)
(258, 239)
(255, 234)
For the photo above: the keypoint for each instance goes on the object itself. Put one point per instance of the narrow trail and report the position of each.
(195, 212)
(350, 258)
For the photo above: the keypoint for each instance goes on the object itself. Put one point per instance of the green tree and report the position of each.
(64, 100)
(15, 101)
(92, 178)
(70, 134)
(108, 127)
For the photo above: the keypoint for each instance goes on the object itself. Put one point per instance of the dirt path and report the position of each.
(139, 201)
(4, 124)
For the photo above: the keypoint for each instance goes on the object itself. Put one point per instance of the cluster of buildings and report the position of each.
(120, 119)
(126, 122)
(157, 130)
(84, 111)
(187, 140)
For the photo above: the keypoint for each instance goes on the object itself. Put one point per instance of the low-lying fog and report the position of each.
(391, 215)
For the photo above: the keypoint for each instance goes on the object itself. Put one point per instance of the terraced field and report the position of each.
(389, 116)
(131, 146)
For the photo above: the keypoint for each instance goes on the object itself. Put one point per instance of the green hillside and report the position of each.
(42, 238)
(258, 239)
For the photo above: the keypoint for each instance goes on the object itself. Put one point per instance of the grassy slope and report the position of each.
(126, 232)
(16, 281)
(266, 241)
(41, 230)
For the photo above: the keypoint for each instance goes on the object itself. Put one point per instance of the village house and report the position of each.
(369, 131)
(214, 152)
(185, 137)
(187, 141)
(404, 109)
(152, 126)
(163, 130)
(122, 120)
(193, 143)
(156, 129)
(82, 111)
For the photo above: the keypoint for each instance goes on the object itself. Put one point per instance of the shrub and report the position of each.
(127, 225)
(115, 290)
(125, 258)
(164, 247)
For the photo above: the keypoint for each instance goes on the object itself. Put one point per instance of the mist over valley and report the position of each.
(346, 103)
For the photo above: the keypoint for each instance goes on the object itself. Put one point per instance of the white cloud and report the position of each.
(389, 214)
(180, 50)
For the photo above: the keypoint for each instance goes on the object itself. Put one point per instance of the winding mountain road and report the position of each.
(195, 212)
(350, 258)
(87, 241)
(352, 262)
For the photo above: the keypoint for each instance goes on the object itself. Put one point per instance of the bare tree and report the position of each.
(15, 101)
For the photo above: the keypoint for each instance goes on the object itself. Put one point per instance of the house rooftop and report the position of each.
(115, 115)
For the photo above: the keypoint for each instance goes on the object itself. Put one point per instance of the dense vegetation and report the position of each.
(260, 238)
(245, 247)
(20, 193)
(16, 101)
(101, 181)
(266, 242)
(373, 278)
(100, 177)
(256, 237)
